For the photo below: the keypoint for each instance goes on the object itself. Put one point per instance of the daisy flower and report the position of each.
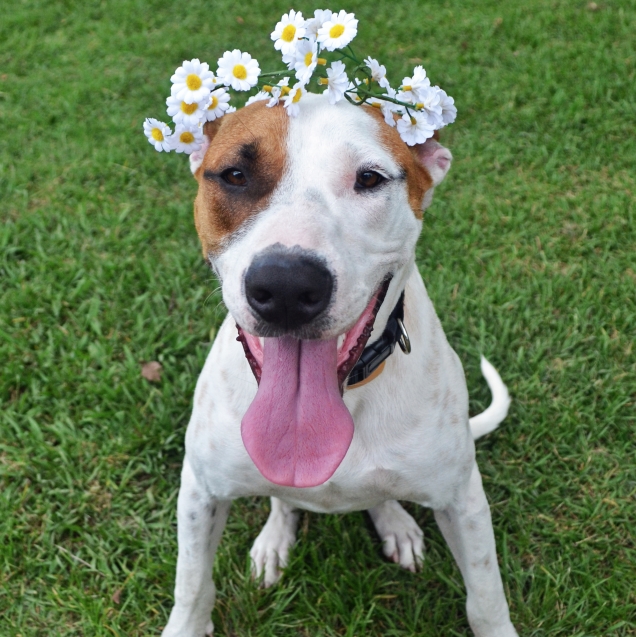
(259, 97)
(430, 105)
(313, 24)
(281, 88)
(158, 134)
(292, 98)
(306, 59)
(217, 106)
(337, 32)
(192, 82)
(413, 87)
(336, 82)
(288, 31)
(378, 72)
(238, 70)
(184, 113)
(187, 139)
(414, 128)
(447, 103)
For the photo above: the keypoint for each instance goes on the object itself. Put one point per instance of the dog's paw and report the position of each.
(402, 539)
(270, 552)
(174, 629)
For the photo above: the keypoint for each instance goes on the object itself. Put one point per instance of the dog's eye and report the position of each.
(234, 177)
(366, 179)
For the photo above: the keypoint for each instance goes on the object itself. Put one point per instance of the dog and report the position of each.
(310, 224)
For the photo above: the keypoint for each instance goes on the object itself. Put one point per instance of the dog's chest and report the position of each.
(350, 492)
(419, 468)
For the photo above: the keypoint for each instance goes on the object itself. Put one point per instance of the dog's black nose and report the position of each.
(288, 288)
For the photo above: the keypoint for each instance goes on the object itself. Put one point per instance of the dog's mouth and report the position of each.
(297, 429)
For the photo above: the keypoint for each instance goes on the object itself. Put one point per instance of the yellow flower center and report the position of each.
(188, 109)
(322, 61)
(309, 58)
(239, 72)
(376, 104)
(323, 81)
(267, 88)
(336, 31)
(284, 90)
(186, 137)
(157, 135)
(297, 96)
(413, 120)
(407, 87)
(288, 33)
(193, 82)
(214, 103)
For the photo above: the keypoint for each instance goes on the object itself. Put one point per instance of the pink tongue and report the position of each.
(297, 430)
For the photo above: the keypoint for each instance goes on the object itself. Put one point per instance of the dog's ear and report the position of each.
(210, 129)
(435, 158)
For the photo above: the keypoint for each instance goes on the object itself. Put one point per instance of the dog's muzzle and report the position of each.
(288, 287)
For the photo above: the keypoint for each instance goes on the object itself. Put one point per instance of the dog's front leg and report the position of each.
(271, 548)
(402, 539)
(467, 528)
(200, 521)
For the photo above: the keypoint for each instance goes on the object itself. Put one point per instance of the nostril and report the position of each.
(310, 298)
(261, 295)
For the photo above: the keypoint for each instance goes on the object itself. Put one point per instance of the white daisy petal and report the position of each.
(378, 72)
(192, 82)
(238, 70)
(158, 134)
(187, 139)
(414, 128)
(429, 103)
(413, 88)
(184, 113)
(259, 97)
(337, 32)
(389, 109)
(217, 106)
(288, 31)
(293, 98)
(336, 82)
(280, 90)
(306, 59)
(447, 104)
(313, 24)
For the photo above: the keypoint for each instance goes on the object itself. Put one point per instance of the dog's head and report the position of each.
(304, 220)
(330, 201)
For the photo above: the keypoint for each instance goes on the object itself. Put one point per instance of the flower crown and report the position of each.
(199, 96)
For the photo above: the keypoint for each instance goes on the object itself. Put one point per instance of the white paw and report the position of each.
(176, 628)
(402, 539)
(270, 553)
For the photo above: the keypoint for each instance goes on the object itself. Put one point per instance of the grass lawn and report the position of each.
(528, 253)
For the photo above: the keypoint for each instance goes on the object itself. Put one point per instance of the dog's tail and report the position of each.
(489, 420)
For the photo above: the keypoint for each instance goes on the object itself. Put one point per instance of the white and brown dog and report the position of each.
(310, 224)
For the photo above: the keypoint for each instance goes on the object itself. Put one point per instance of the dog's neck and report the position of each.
(387, 332)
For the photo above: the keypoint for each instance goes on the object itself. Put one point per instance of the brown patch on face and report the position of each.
(253, 142)
(418, 178)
